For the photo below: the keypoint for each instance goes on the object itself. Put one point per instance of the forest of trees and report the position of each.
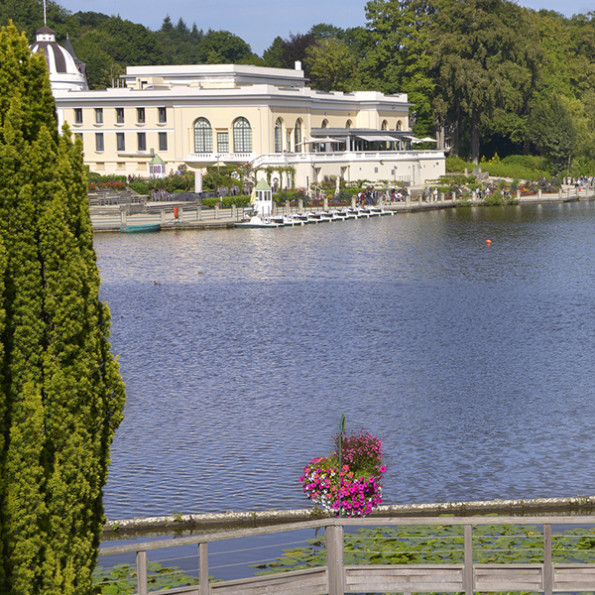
(490, 75)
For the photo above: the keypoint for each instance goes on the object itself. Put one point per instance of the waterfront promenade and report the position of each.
(191, 215)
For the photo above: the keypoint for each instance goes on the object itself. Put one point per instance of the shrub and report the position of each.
(227, 201)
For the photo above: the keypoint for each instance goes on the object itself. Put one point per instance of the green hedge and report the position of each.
(523, 167)
(227, 201)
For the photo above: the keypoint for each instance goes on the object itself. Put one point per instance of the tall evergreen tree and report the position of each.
(61, 395)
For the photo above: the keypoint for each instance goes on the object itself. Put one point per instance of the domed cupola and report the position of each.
(64, 71)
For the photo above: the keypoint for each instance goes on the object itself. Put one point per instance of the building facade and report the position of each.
(193, 116)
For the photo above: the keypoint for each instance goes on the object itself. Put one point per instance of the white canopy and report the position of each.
(325, 139)
(372, 139)
(426, 139)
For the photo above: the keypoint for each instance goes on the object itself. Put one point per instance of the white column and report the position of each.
(197, 181)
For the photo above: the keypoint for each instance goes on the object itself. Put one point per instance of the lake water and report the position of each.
(242, 348)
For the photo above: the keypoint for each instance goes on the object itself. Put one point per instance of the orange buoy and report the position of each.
(489, 242)
(176, 212)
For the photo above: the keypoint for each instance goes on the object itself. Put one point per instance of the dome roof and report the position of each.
(64, 71)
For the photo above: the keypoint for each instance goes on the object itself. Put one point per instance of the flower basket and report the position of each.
(355, 488)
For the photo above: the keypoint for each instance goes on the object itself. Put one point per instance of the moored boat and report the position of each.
(140, 228)
(258, 221)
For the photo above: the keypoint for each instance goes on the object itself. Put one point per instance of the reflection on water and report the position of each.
(473, 363)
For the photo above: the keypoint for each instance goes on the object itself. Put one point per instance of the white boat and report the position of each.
(258, 221)
(303, 217)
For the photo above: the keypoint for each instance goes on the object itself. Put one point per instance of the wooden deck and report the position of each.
(335, 578)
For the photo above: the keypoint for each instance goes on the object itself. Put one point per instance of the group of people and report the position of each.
(581, 181)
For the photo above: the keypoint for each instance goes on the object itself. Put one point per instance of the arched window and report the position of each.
(399, 125)
(297, 136)
(324, 124)
(348, 124)
(384, 125)
(203, 136)
(242, 136)
(279, 136)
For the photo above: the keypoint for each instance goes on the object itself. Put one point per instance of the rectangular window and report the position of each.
(222, 142)
(99, 141)
(141, 141)
(98, 115)
(162, 115)
(163, 141)
(78, 115)
(120, 141)
(120, 115)
(140, 115)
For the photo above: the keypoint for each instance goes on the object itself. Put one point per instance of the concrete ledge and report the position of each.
(198, 522)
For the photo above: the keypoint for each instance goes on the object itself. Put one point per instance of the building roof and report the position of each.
(64, 71)
(207, 76)
(262, 185)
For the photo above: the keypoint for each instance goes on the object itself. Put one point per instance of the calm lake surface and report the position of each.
(474, 363)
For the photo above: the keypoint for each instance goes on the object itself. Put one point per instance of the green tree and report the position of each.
(480, 60)
(219, 47)
(273, 55)
(332, 66)
(294, 49)
(61, 395)
(552, 129)
(398, 58)
(27, 15)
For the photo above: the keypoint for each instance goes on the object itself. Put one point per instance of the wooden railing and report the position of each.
(336, 578)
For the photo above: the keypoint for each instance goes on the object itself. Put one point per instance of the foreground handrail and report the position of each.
(334, 575)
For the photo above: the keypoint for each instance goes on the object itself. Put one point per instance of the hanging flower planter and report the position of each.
(353, 488)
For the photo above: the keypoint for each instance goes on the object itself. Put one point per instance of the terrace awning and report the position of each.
(382, 139)
(325, 139)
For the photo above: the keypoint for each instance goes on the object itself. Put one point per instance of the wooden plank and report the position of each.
(177, 591)
(203, 568)
(380, 579)
(468, 584)
(548, 572)
(334, 560)
(574, 577)
(520, 577)
(299, 582)
(141, 573)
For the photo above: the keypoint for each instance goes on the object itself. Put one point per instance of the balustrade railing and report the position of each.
(548, 574)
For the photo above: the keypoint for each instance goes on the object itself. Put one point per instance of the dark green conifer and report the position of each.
(61, 395)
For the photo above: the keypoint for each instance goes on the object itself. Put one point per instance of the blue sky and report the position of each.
(258, 23)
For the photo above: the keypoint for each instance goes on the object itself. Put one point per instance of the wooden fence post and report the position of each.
(141, 573)
(468, 566)
(548, 570)
(203, 569)
(334, 559)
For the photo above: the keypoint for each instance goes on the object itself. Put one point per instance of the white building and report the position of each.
(200, 115)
